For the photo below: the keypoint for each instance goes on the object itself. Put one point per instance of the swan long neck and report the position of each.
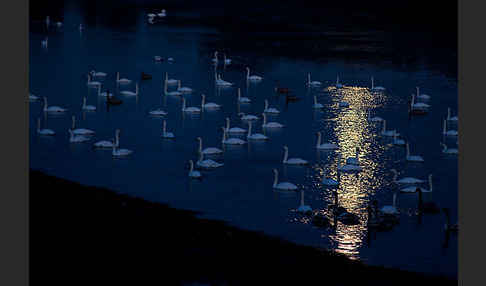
(38, 124)
(203, 100)
(394, 200)
(318, 139)
(315, 100)
(430, 182)
(239, 94)
(286, 155)
(275, 178)
(337, 79)
(200, 145)
(372, 83)
(73, 122)
(448, 112)
(166, 76)
(136, 88)
(444, 147)
(164, 126)
(84, 102)
(413, 100)
(308, 78)
(264, 118)
(302, 198)
(45, 103)
(224, 135)
(266, 104)
(247, 73)
(384, 126)
(444, 128)
(183, 104)
(249, 129)
(227, 123)
(191, 166)
(408, 150)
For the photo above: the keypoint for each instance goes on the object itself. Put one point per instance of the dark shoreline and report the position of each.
(86, 234)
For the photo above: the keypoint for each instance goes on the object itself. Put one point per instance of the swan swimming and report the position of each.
(422, 96)
(209, 150)
(44, 42)
(232, 141)
(158, 112)
(391, 210)
(207, 163)
(87, 107)
(420, 106)
(303, 208)
(52, 109)
(446, 132)
(80, 131)
(329, 182)
(44, 131)
(325, 146)
(171, 93)
(192, 172)
(165, 134)
(242, 99)
(292, 161)
(33, 97)
(97, 74)
(338, 85)
(170, 81)
(256, 136)
(104, 93)
(226, 60)
(233, 129)
(406, 180)
(348, 167)
(413, 189)
(162, 13)
(253, 78)
(215, 58)
(122, 80)
(220, 82)
(107, 143)
(247, 117)
(374, 119)
(270, 124)
(376, 88)
(91, 83)
(449, 115)
(271, 109)
(285, 186)
(183, 89)
(398, 142)
(316, 104)
(209, 105)
(189, 109)
(446, 150)
(312, 83)
(130, 93)
(413, 158)
(77, 138)
(390, 133)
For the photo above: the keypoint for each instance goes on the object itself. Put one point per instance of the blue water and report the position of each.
(241, 192)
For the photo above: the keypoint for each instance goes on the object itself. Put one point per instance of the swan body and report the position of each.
(348, 167)
(446, 150)
(77, 138)
(391, 210)
(446, 132)
(122, 80)
(97, 74)
(158, 112)
(120, 152)
(242, 99)
(303, 208)
(233, 129)
(253, 78)
(376, 88)
(329, 182)
(398, 142)
(422, 96)
(284, 186)
(209, 105)
(353, 160)
(170, 81)
(183, 89)
(207, 163)
(271, 109)
(270, 124)
(413, 189)
(325, 146)
(232, 141)
(87, 107)
(209, 150)
(256, 136)
(80, 131)
(130, 93)
(316, 104)
(247, 117)
(406, 180)
(343, 104)
(374, 119)
(192, 173)
(292, 161)
(189, 109)
(151, 15)
(44, 131)
(92, 83)
(52, 109)
(389, 133)
(170, 59)
(312, 83)
(413, 158)
(107, 143)
(420, 106)
(449, 115)
(165, 134)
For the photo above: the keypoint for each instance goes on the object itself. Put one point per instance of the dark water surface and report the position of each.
(241, 191)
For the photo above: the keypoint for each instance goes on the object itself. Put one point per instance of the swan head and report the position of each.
(275, 171)
(285, 147)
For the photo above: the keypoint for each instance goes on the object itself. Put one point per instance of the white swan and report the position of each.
(87, 107)
(220, 82)
(170, 81)
(270, 124)
(256, 136)
(325, 146)
(91, 83)
(209, 150)
(33, 97)
(77, 138)
(285, 186)
(449, 115)
(348, 167)
(376, 88)
(422, 96)
(232, 141)
(52, 109)
(215, 58)
(130, 93)
(271, 109)
(97, 74)
(162, 13)
(391, 210)
(312, 83)
(207, 163)
(104, 93)
(420, 106)
(398, 142)
(247, 117)
(107, 143)
(183, 89)
(446, 132)
(338, 85)
(233, 129)
(158, 112)
(44, 131)
(80, 131)
(329, 182)
(189, 109)
(413, 189)
(171, 93)
(117, 152)
(406, 180)
(353, 160)
(303, 208)
(44, 42)
(252, 77)
(390, 133)
(374, 119)
(209, 105)
(226, 60)
(316, 104)
(192, 172)
(292, 161)
(446, 150)
(413, 158)
(242, 99)
(122, 80)
(165, 134)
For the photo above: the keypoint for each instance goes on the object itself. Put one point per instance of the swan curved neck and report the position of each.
(384, 126)
(227, 123)
(183, 104)
(203, 101)
(318, 139)
(286, 155)
(164, 127)
(275, 178)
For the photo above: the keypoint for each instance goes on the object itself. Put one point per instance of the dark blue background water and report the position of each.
(241, 191)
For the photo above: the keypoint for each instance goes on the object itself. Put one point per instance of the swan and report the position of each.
(270, 124)
(329, 182)
(422, 96)
(209, 105)
(348, 167)
(158, 112)
(338, 85)
(162, 13)
(317, 105)
(312, 83)
(215, 59)
(376, 88)
(449, 115)
(130, 93)
(87, 107)
(242, 99)
(448, 226)
(446, 150)
(104, 93)
(209, 150)
(192, 172)
(44, 131)
(52, 108)
(158, 59)
(398, 142)
(426, 207)
(271, 109)
(342, 214)
(97, 74)
(44, 42)
(325, 146)
(232, 141)
(170, 81)
(189, 109)
(107, 143)
(413, 158)
(303, 208)
(221, 82)
(33, 97)
(165, 134)
(172, 93)
(420, 106)
(406, 180)
(120, 152)
(80, 131)
(390, 133)
(413, 189)
(292, 161)
(77, 138)
(256, 136)
(151, 15)
(122, 80)
(391, 210)
(92, 83)
(170, 59)
(285, 186)
(252, 77)
(446, 132)
(226, 60)
(353, 160)
(247, 117)
(233, 129)
(183, 89)
(374, 119)
(208, 163)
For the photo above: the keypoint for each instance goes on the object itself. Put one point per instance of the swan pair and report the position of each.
(108, 143)
(413, 189)
(292, 161)
(79, 131)
(324, 146)
(252, 78)
(376, 88)
(130, 93)
(270, 124)
(87, 107)
(270, 109)
(446, 132)
(231, 141)
(255, 136)
(52, 109)
(44, 131)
